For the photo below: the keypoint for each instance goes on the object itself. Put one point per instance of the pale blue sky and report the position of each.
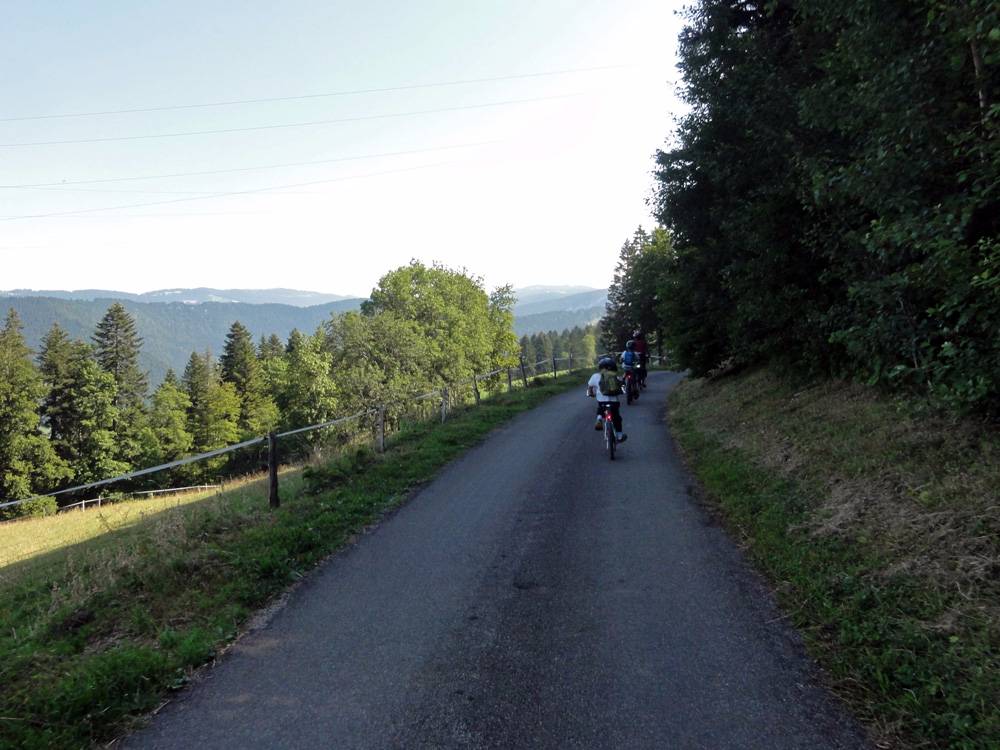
(531, 192)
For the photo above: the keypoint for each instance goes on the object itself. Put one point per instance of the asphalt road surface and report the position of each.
(535, 595)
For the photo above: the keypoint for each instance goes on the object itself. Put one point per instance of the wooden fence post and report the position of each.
(510, 382)
(524, 374)
(272, 469)
(444, 404)
(475, 389)
(571, 361)
(553, 366)
(380, 430)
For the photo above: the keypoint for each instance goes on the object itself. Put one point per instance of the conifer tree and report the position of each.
(117, 345)
(168, 422)
(270, 347)
(54, 355)
(27, 462)
(241, 367)
(213, 416)
(80, 411)
(620, 316)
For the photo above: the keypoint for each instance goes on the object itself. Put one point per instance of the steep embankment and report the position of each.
(877, 522)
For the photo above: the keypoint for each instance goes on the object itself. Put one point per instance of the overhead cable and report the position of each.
(311, 123)
(219, 195)
(347, 92)
(248, 169)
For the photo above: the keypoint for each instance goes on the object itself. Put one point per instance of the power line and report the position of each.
(348, 92)
(362, 118)
(140, 192)
(219, 195)
(249, 169)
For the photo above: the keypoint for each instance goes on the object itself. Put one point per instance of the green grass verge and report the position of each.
(99, 632)
(876, 522)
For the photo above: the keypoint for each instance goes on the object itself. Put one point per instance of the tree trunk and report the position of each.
(977, 62)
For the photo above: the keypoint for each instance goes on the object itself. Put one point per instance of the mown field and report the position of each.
(878, 522)
(104, 618)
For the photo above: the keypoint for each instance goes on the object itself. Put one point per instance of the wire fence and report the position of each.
(434, 404)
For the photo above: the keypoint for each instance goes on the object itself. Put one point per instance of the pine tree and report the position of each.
(54, 364)
(270, 347)
(117, 346)
(168, 422)
(197, 378)
(80, 410)
(621, 315)
(117, 350)
(27, 462)
(54, 355)
(213, 416)
(241, 367)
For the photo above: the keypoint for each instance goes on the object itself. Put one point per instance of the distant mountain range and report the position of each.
(293, 297)
(175, 322)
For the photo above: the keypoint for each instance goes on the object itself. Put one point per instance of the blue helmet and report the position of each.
(606, 363)
(629, 345)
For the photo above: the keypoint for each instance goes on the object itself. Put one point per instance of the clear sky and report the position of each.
(529, 180)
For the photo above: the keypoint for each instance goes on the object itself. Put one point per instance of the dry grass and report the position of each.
(922, 487)
(877, 520)
(102, 540)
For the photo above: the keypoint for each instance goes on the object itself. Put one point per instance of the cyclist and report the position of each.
(642, 349)
(630, 361)
(605, 385)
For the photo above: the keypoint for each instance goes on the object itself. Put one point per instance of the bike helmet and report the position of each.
(606, 363)
(629, 345)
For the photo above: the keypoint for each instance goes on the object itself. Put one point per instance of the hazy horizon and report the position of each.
(183, 145)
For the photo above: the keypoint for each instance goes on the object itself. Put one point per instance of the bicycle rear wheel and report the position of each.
(610, 439)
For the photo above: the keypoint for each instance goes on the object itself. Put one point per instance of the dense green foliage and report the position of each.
(83, 413)
(634, 295)
(577, 343)
(26, 456)
(832, 193)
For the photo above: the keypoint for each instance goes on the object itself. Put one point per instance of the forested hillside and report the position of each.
(559, 320)
(83, 408)
(832, 198)
(170, 331)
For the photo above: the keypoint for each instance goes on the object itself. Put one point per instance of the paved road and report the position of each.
(534, 596)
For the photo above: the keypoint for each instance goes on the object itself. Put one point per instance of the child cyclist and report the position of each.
(605, 386)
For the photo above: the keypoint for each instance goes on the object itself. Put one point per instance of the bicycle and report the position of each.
(631, 387)
(610, 438)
